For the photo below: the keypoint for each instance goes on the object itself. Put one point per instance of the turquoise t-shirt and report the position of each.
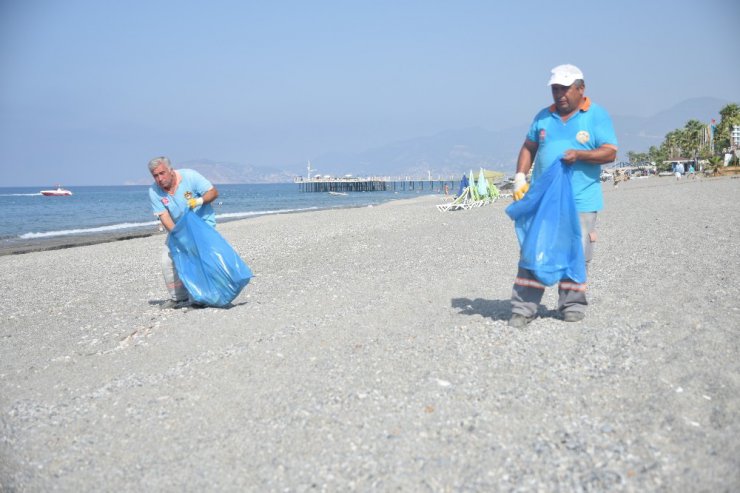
(191, 184)
(588, 129)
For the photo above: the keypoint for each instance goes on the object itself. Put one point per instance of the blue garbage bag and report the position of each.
(548, 228)
(212, 272)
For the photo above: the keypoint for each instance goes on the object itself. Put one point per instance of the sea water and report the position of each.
(28, 215)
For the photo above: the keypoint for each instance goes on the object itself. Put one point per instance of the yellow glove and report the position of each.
(520, 186)
(195, 203)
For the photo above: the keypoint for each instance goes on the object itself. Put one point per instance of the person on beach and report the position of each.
(582, 133)
(679, 171)
(173, 192)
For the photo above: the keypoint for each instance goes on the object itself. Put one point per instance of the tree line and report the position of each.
(694, 141)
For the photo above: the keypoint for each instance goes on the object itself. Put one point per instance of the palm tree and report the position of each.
(729, 116)
(672, 144)
(693, 134)
(715, 162)
(656, 155)
(689, 141)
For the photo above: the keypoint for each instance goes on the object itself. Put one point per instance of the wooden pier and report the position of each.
(375, 184)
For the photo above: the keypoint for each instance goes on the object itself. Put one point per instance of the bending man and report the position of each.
(173, 192)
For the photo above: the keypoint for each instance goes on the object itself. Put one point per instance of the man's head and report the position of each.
(162, 172)
(566, 83)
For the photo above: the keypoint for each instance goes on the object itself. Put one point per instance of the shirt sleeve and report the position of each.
(532, 134)
(605, 133)
(538, 123)
(155, 200)
(199, 183)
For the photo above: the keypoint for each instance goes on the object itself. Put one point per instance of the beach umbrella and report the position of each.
(473, 190)
(493, 191)
(482, 184)
(463, 185)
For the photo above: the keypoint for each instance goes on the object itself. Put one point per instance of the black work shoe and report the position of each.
(573, 316)
(519, 321)
(174, 304)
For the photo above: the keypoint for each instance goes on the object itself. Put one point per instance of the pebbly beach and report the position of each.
(371, 352)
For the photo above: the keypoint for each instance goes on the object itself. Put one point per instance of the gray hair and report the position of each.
(579, 83)
(158, 161)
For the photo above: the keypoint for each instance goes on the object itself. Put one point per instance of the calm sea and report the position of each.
(28, 215)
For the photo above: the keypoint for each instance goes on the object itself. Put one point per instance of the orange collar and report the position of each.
(178, 179)
(585, 105)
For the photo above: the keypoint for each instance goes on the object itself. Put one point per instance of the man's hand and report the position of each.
(570, 156)
(195, 203)
(602, 155)
(520, 186)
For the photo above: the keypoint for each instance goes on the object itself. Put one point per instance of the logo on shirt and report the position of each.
(582, 137)
(542, 135)
(165, 201)
(188, 195)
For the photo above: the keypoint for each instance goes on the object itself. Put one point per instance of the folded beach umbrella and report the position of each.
(473, 189)
(493, 190)
(463, 185)
(482, 184)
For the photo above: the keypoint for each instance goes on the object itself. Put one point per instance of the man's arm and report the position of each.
(523, 165)
(206, 198)
(601, 155)
(167, 221)
(210, 195)
(526, 156)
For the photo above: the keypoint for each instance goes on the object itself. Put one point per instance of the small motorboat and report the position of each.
(59, 192)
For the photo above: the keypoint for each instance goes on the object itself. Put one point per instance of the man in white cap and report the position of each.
(582, 133)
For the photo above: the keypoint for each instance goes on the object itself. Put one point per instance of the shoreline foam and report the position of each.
(62, 240)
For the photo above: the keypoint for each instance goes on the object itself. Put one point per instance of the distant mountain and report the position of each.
(228, 173)
(451, 152)
(454, 152)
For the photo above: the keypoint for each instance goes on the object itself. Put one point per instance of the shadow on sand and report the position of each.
(160, 303)
(494, 309)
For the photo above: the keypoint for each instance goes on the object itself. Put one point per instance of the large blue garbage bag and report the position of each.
(548, 228)
(212, 272)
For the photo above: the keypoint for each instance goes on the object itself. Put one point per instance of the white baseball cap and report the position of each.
(565, 75)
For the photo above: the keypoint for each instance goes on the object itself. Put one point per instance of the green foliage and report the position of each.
(729, 116)
(656, 155)
(715, 162)
(690, 141)
(693, 137)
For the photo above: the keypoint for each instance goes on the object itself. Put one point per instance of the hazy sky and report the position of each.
(90, 90)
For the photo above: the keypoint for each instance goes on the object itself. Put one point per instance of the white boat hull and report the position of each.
(59, 192)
